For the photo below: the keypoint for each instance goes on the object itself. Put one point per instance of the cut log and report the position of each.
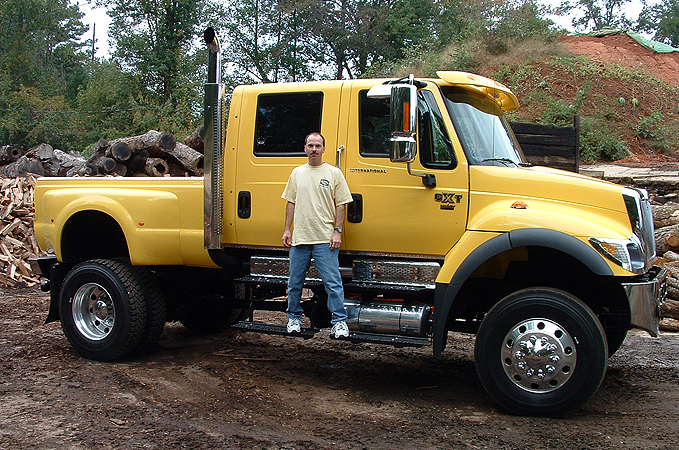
(137, 162)
(22, 167)
(156, 167)
(155, 142)
(666, 238)
(104, 164)
(190, 159)
(196, 140)
(663, 215)
(669, 325)
(70, 165)
(119, 169)
(10, 153)
(119, 151)
(670, 309)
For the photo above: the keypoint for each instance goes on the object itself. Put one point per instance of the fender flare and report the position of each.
(445, 293)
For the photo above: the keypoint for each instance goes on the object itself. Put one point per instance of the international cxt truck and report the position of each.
(449, 230)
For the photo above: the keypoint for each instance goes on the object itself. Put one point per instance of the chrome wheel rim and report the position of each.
(93, 311)
(539, 355)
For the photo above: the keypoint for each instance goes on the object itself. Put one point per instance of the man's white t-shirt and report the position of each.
(316, 192)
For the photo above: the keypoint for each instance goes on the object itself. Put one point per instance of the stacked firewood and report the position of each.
(17, 240)
(155, 154)
(666, 222)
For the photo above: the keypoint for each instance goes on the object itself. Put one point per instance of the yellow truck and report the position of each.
(450, 230)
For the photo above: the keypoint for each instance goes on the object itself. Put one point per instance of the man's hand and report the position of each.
(335, 240)
(287, 239)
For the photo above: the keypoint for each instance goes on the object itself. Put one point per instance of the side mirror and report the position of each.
(403, 123)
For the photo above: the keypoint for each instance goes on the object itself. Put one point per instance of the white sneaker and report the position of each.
(340, 330)
(294, 326)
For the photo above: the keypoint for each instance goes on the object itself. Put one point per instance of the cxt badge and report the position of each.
(447, 199)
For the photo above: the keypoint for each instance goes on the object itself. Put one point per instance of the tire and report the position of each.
(156, 309)
(102, 309)
(541, 351)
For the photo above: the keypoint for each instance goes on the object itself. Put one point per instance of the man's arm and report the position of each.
(289, 216)
(336, 238)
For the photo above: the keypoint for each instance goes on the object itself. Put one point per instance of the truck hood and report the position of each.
(505, 198)
(546, 184)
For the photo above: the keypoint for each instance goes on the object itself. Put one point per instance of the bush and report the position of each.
(598, 142)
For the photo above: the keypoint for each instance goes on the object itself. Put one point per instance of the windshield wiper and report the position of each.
(502, 160)
(507, 160)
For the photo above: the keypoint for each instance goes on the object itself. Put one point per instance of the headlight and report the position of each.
(625, 253)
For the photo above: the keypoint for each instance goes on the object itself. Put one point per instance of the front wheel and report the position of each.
(541, 351)
(102, 309)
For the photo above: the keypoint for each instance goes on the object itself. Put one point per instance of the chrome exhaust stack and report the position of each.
(213, 167)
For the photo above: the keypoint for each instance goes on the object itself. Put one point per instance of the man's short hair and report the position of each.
(314, 133)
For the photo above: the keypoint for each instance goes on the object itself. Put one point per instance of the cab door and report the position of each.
(393, 211)
(274, 121)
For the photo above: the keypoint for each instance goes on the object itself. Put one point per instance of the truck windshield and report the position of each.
(485, 135)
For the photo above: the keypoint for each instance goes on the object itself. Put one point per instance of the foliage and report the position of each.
(661, 20)
(653, 129)
(51, 91)
(599, 142)
(151, 39)
(598, 14)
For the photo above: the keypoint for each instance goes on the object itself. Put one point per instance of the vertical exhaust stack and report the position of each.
(213, 178)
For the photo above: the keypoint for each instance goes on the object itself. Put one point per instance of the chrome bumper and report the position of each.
(645, 297)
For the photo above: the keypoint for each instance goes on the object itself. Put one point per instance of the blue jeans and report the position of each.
(327, 263)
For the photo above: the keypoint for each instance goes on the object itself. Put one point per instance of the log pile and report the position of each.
(154, 153)
(17, 240)
(666, 222)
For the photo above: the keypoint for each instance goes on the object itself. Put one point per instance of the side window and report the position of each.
(284, 120)
(436, 150)
(373, 126)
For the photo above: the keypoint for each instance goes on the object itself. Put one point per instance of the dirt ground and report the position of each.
(250, 391)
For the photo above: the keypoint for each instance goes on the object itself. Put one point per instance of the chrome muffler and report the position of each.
(388, 317)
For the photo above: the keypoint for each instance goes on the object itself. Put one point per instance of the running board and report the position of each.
(354, 337)
(389, 339)
(267, 328)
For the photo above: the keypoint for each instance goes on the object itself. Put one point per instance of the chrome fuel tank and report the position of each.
(388, 317)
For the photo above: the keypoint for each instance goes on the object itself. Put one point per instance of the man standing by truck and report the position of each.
(317, 194)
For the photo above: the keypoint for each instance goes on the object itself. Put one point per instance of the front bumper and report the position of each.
(645, 297)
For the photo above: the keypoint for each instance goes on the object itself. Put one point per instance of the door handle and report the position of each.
(339, 155)
(244, 204)
(355, 209)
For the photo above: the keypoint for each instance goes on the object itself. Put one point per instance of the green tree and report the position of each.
(661, 20)
(41, 69)
(598, 14)
(152, 38)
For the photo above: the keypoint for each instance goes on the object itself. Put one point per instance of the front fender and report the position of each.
(462, 262)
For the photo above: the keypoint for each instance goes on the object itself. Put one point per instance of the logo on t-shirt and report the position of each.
(324, 183)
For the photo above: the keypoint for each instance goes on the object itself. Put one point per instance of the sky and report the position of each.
(99, 17)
